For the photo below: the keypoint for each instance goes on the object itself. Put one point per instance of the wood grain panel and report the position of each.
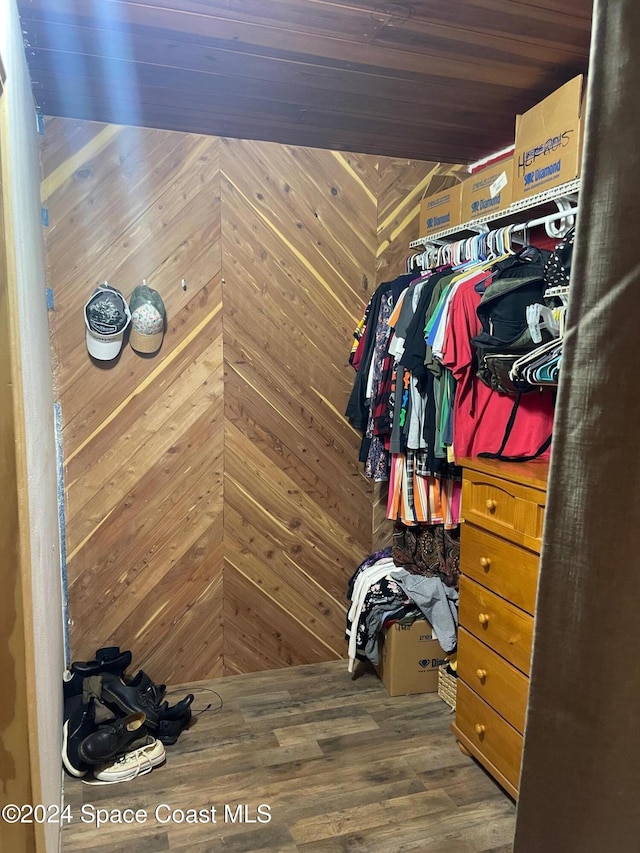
(298, 253)
(214, 489)
(296, 127)
(185, 87)
(142, 435)
(428, 80)
(506, 569)
(497, 623)
(496, 682)
(390, 41)
(381, 525)
(489, 737)
(207, 57)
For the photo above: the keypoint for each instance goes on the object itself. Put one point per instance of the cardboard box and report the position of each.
(409, 659)
(549, 142)
(487, 191)
(440, 211)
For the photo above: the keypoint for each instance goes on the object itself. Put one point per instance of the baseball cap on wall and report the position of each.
(148, 319)
(106, 316)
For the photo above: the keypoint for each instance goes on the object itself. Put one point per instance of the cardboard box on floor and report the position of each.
(409, 659)
(549, 140)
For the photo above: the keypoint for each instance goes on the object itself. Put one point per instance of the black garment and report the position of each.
(429, 430)
(415, 347)
(357, 410)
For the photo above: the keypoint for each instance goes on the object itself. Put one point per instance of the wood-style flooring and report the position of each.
(340, 765)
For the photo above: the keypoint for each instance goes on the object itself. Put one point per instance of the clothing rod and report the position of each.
(520, 226)
(560, 214)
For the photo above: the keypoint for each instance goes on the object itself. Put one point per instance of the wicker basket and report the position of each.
(447, 684)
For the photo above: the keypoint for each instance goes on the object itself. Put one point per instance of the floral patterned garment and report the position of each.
(377, 464)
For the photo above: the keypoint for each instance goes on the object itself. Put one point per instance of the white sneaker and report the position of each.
(138, 762)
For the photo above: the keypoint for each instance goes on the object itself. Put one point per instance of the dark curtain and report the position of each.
(580, 789)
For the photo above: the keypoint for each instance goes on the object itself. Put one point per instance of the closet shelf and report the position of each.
(538, 200)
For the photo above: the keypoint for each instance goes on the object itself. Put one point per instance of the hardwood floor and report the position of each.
(317, 763)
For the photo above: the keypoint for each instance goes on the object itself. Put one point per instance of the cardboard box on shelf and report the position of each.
(409, 659)
(440, 211)
(549, 140)
(487, 191)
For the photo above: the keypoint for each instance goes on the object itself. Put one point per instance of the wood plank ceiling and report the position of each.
(422, 79)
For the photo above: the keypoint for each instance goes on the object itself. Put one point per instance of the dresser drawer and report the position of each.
(507, 569)
(488, 735)
(500, 506)
(501, 685)
(505, 628)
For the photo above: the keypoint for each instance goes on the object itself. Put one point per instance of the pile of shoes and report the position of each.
(115, 726)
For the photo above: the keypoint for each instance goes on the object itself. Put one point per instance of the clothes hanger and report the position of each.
(536, 357)
(540, 317)
(491, 251)
(510, 231)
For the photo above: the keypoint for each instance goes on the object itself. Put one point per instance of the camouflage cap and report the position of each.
(148, 319)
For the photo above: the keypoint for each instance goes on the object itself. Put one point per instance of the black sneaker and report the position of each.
(79, 723)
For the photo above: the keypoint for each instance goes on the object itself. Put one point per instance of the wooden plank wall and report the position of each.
(215, 506)
(299, 240)
(142, 436)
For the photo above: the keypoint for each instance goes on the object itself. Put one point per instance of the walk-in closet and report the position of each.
(318, 341)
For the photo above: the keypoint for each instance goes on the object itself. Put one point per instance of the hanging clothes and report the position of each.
(419, 497)
(418, 401)
(481, 415)
(365, 334)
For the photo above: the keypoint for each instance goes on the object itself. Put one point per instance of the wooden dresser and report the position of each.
(503, 509)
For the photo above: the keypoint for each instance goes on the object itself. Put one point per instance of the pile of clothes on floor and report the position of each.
(416, 577)
(116, 727)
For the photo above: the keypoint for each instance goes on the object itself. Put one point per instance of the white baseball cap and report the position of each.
(106, 316)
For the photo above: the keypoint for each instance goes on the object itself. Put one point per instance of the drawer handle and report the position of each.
(485, 562)
(483, 618)
(479, 729)
(492, 505)
(481, 673)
